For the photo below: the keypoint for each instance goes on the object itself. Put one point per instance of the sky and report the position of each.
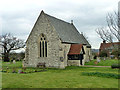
(19, 16)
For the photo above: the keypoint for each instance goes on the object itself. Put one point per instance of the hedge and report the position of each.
(115, 65)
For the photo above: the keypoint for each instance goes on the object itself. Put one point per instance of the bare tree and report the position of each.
(112, 31)
(104, 34)
(9, 43)
(113, 25)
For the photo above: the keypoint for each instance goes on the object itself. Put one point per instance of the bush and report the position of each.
(107, 75)
(115, 65)
(103, 54)
(116, 53)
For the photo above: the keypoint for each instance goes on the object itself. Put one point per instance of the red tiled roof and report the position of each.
(107, 45)
(75, 49)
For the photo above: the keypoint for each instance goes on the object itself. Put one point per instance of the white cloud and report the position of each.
(19, 16)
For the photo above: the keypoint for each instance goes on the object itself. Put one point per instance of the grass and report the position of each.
(107, 75)
(11, 65)
(71, 77)
(102, 62)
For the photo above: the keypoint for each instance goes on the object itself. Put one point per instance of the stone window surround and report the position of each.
(42, 38)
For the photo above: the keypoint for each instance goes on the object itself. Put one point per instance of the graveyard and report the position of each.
(70, 77)
(106, 62)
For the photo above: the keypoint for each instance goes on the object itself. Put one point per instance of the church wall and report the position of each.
(73, 62)
(56, 51)
(87, 55)
(53, 44)
(66, 48)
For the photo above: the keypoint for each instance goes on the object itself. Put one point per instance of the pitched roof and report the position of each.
(85, 40)
(107, 45)
(67, 31)
(75, 49)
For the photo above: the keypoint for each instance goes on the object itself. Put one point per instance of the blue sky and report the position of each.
(19, 16)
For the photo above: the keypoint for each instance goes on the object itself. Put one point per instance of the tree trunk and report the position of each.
(6, 57)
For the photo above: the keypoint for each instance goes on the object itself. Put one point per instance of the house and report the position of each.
(56, 43)
(109, 47)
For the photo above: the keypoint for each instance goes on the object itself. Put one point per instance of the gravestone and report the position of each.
(14, 61)
(98, 59)
(104, 58)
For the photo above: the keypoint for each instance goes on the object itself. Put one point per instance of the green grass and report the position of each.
(98, 74)
(102, 62)
(71, 77)
(11, 65)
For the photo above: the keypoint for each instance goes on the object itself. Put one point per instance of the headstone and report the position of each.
(98, 59)
(14, 61)
(104, 58)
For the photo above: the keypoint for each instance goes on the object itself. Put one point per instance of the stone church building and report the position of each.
(56, 43)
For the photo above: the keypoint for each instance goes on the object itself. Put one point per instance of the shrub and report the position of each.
(116, 53)
(115, 65)
(107, 75)
(103, 54)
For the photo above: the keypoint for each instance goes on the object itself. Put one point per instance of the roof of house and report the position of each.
(67, 31)
(75, 49)
(107, 45)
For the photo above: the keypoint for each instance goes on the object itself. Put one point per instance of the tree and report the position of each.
(9, 43)
(116, 53)
(22, 55)
(16, 56)
(103, 53)
(112, 31)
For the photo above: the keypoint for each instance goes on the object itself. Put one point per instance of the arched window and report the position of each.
(43, 46)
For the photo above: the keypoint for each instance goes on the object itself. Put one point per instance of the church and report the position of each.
(56, 43)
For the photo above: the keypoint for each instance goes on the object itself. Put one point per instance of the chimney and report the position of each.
(71, 21)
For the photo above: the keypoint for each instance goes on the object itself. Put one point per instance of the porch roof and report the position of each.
(75, 49)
